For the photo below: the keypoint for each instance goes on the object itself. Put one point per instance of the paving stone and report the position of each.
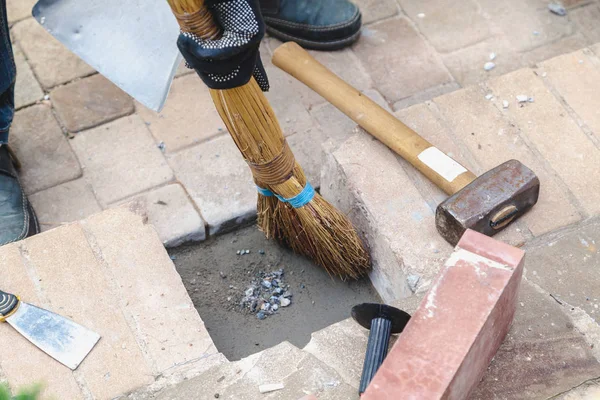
(121, 159)
(397, 222)
(306, 147)
(52, 63)
(150, 291)
(27, 89)
(219, 181)
(375, 10)
(449, 25)
(398, 60)
(43, 150)
(562, 46)
(73, 271)
(576, 77)
(19, 9)
(189, 116)
(596, 49)
(426, 95)
(476, 290)
(89, 102)
(545, 122)
(183, 70)
(336, 125)
(466, 65)
(173, 215)
(58, 379)
(492, 140)
(64, 203)
(586, 20)
(525, 24)
(587, 391)
(542, 356)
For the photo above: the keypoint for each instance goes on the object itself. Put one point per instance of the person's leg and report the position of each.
(17, 219)
(313, 24)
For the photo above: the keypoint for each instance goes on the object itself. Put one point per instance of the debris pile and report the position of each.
(266, 294)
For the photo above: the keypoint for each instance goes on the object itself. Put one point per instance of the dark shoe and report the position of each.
(17, 219)
(313, 24)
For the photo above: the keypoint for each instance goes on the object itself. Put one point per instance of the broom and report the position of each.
(288, 209)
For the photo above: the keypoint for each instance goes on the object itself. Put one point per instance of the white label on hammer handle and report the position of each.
(446, 167)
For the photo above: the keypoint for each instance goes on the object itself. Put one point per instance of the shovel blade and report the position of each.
(62, 339)
(133, 43)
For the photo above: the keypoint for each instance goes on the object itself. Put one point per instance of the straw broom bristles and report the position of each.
(317, 230)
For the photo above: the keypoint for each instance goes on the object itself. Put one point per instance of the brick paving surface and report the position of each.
(86, 146)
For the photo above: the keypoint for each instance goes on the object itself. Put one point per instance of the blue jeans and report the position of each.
(8, 72)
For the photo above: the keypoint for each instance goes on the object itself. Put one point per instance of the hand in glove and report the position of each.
(234, 58)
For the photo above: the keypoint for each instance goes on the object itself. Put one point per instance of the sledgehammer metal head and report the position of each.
(489, 203)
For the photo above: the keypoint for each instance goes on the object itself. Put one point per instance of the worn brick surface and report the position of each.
(587, 19)
(189, 115)
(526, 25)
(476, 291)
(466, 64)
(173, 215)
(576, 77)
(562, 46)
(375, 10)
(74, 272)
(596, 49)
(19, 9)
(150, 292)
(399, 61)
(67, 202)
(449, 25)
(58, 379)
(27, 89)
(493, 140)
(426, 95)
(219, 181)
(52, 63)
(121, 159)
(546, 123)
(306, 147)
(587, 391)
(397, 222)
(89, 102)
(43, 150)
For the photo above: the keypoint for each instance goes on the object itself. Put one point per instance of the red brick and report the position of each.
(460, 324)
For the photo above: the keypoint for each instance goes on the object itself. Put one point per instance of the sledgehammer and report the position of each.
(486, 204)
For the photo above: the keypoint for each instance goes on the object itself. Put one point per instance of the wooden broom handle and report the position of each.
(446, 173)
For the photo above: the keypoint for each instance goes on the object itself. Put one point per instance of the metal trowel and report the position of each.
(62, 339)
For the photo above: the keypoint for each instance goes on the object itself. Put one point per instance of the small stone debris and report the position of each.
(242, 252)
(270, 387)
(492, 56)
(521, 98)
(488, 66)
(421, 15)
(413, 281)
(536, 33)
(47, 97)
(557, 9)
(266, 294)
(162, 146)
(222, 275)
(261, 251)
(489, 96)
(173, 258)
(504, 103)
(530, 100)
(217, 395)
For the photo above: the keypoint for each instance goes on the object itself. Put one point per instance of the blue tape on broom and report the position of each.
(299, 200)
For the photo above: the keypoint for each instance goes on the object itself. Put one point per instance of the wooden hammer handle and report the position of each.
(446, 173)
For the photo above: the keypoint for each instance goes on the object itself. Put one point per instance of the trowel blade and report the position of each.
(133, 43)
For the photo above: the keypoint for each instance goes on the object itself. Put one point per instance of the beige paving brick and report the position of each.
(218, 180)
(557, 137)
(43, 150)
(492, 140)
(189, 116)
(562, 46)
(527, 25)
(398, 60)
(375, 10)
(150, 291)
(449, 25)
(64, 203)
(426, 95)
(307, 150)
(58, 379)
(183, 70)
(19, 9)
(576, 77)
(77, 284)
(173, 215)
(52, 63)
(89, 102)
(596, 49)
(586, 19)
(27, 89)
(467, 65)
(121, 159)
